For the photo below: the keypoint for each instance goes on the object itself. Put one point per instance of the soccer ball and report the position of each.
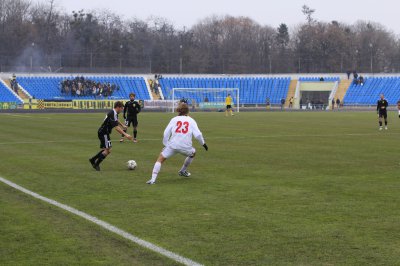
(131, 165)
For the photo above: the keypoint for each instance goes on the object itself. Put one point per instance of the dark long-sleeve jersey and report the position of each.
(133, 108)
(382, 105)
(109, 123)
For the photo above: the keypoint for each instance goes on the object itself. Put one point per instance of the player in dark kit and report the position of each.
(104, 132)
(398, 107)
(381, 108)
(131, 110)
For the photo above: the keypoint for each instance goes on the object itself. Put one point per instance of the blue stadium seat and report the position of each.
(252, 90)
(48, 88)
(7, 96)
(368, 94)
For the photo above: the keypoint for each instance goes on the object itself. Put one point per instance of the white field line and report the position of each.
(222, 137)
(106, 226)
(28, 116)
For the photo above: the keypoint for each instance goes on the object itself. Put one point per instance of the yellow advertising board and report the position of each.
(30, 104)
(96, 104)
(57, 105)
(74, 104)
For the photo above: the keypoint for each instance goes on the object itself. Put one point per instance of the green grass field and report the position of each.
(274, 189)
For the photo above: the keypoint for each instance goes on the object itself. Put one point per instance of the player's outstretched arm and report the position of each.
(121, 131)
(198, 135)
(122, 125)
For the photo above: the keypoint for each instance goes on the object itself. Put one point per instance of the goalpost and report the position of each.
(205, 99)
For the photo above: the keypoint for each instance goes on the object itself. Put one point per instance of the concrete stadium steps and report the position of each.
(344, 85)
(291, 92)
(21, 93)
(155, 96)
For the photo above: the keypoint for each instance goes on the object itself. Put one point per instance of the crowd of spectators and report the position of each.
(357, 79)
(81, 86)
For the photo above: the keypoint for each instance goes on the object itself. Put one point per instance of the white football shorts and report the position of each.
(168, 152)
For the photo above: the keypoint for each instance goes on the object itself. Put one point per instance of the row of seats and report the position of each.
(368, 93)
(48, 88)
(251, 90)
(6, 95)
(314, 79)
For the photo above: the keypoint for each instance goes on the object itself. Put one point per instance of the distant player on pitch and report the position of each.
(398, 107)
(133, 108)
(228, 103)
(381, 108)
(178, 139)
(104, 132)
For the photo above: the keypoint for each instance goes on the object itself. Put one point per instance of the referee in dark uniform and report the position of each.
(131, 110)
(110, 122)
(381, 109)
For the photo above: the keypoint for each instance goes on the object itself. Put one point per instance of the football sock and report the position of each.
(186, 164)
(101, 158)
(96, 156)
(380, 123)
(385, 123)
(156, 170)
(134, 134)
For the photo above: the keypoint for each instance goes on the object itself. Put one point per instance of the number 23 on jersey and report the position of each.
(182, 127)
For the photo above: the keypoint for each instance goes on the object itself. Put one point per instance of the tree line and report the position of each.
(42, 37)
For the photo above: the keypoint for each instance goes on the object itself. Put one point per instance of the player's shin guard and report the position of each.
(156, 170)
(385, 122)
(186, 164)
(380, 123)
(134, 133)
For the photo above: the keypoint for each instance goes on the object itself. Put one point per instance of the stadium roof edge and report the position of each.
(151, 75)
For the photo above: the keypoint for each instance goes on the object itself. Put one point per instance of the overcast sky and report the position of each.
(266, 12)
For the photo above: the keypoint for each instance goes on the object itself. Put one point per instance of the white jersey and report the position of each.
(179, 132)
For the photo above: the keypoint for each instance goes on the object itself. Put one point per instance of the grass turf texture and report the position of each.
(274, 188)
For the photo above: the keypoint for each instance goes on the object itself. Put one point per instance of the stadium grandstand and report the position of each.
(51, 88)
(368, 93)
(253, 90)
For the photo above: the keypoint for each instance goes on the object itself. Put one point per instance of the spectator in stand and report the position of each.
(338, 103)
(206, 100)
(14, 83)
(348, 74)
(321, 79)
(151, 84)
(282, 103)
(333, 104)
(361, 80)
(291, 100)
(355, 75)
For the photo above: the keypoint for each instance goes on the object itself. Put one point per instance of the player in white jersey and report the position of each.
(178, 139)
